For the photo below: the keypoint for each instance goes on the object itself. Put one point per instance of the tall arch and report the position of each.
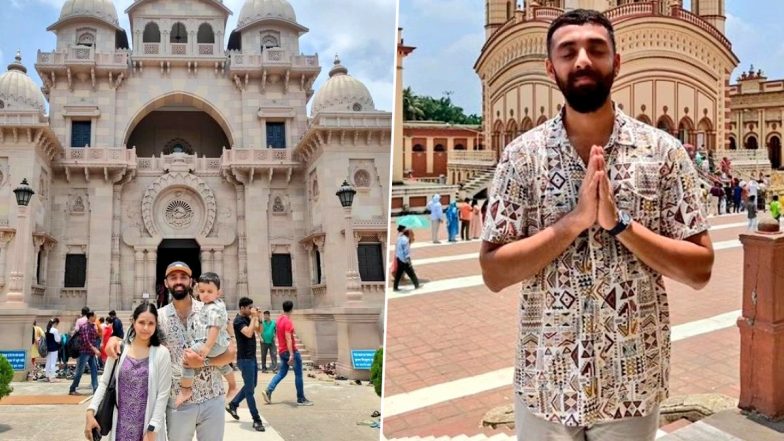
(205, 35)
(644, 119)
(511, 130)
(181, 98)
(706, 137)
(152, 33)
(665, 123)
(733, 143)
(542, 119)
(686, 130)
(751, 142)
(774, 150)
(498, 128)
(526, 124)
(179, 33)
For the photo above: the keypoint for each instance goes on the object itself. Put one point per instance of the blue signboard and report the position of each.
(362, 359)
(18, 359)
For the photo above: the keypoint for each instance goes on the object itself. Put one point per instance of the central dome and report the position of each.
(342, 93)
(256, 10)
(18, 92)
(103, 10)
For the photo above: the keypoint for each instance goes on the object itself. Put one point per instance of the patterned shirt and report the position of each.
(594, 324)
(88, 336)
(207, 382)
(211, 315)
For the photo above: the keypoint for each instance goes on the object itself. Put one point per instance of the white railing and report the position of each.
(747, 156)
(472, 156)
(269, 57)
(207, 49)
(98, 156)
(179, 48)
(254, 156)
(152, 48)
(82, 54)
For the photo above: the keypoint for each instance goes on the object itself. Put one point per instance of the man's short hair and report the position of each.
(775, 197)
(245, 302)
(580, 17)
(85, 310)
(267, 312)
(112, 313)
(90, 314)
(288, 305)
(210, 277)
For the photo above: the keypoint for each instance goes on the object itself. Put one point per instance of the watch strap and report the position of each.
(621, 226)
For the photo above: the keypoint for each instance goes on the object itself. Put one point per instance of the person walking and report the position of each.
(541, 231)
(38, 334)
(737, 194)
(751, 212)
(436, 217)
(108, 330)
(289, 357)
(246, 325)
(465, 219)
(403, 259)
(718, 195)
(88, 354)
(452, 221)
(476, 220)
(143, 383)
(268, 344)
(53, 348)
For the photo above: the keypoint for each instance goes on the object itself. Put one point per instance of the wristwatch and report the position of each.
(206, 362)
(624, 220)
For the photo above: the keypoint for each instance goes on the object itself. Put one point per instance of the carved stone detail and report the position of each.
(172, 181)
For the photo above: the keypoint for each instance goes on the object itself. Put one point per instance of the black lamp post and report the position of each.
(23, 193)
(353, 284)
(346, 194)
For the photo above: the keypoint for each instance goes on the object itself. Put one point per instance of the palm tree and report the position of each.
(412, 106)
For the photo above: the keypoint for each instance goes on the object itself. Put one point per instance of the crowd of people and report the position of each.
(464, 218)
(732, 195)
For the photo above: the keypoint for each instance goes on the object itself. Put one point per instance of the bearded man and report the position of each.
(588, 212)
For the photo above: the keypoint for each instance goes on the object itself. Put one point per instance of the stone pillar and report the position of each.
(17, 286)
(138, 273)
(206, 261)
(149, 285)
(99, 247)
(6, 234)
(115, 289)
(353, 283)
(242, 272)
(762, 325)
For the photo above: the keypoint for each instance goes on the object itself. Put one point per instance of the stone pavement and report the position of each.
(337, 409)
(450, 344)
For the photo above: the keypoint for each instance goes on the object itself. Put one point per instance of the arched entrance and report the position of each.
(774, 151)
(179, 122)
(751, 142)
(172, 250)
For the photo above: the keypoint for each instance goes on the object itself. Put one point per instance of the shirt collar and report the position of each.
(622, 133)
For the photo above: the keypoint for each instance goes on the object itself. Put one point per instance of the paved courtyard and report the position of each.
(442, 376)
(341, 412)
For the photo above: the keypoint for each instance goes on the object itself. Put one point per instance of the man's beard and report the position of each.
(586, 98)
(179, 294)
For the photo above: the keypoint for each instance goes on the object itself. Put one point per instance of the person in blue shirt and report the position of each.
(117, 326)
(436, 216)
(403, 256)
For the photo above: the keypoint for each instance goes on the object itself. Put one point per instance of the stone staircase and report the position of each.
(479, 182)
(307, 358)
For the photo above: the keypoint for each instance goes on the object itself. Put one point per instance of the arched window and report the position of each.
(269, 41)
(86, 39)
(685, 130)
(418, 148)
(205, 35)
(152, 34)
(644, 119)
(179, 34)
(733, 143)
(459, 147)
(665, 123)
(439, 148)
(751, 142)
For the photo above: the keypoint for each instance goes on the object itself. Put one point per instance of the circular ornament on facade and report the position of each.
(357, 107)
(362, 179)
(179, 214)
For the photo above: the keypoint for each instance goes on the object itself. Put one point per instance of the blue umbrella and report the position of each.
(414, 221)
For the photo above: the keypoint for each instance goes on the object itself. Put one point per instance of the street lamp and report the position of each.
(346, 194)
(16, 285)
(23, 193)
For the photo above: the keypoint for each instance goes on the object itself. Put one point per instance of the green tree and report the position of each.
(6, 375)
(427, 108)
(377, 370)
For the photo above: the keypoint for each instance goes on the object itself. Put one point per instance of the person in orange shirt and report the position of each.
(465, 219)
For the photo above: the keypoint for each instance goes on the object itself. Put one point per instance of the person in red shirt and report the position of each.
(465, 219)
(289, 357)
(107, 332)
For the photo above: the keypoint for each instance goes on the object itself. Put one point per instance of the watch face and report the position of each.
(626, 218)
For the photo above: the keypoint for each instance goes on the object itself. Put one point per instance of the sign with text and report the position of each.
(362, 358)
(18, 359)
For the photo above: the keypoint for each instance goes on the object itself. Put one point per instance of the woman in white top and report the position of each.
(53, 347)
(143, 383)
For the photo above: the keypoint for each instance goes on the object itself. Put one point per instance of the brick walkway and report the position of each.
(465, 331)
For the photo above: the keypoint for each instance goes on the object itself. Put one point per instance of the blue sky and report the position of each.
(364, 38)
(449, 34)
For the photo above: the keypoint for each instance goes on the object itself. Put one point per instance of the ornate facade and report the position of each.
(161, 144)
(675, 70)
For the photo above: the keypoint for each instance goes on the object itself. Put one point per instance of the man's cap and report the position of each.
(178, 266)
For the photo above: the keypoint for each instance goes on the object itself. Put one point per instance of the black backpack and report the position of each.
(73, 347)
